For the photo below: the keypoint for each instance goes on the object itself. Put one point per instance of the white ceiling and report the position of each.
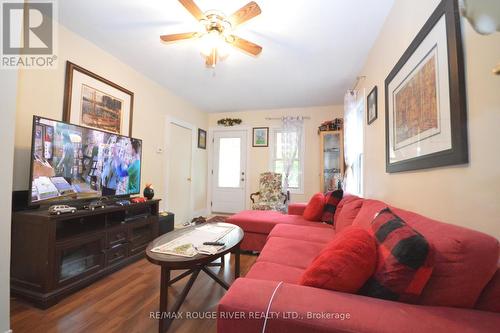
(313, 49)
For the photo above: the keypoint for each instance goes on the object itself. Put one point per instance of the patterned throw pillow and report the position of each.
(332, 199)
(405, 260)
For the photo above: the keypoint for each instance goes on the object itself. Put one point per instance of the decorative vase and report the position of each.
(148, 193)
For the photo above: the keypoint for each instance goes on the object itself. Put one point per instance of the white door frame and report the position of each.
(174, 121)
(210, 151)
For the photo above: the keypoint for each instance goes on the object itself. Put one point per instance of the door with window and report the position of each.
(229, 171)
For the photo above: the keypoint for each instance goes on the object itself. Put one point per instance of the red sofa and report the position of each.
(462, 295)
(257, 224)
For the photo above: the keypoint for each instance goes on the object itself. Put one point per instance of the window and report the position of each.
(295, 179)
(229, 162)
(353, 143)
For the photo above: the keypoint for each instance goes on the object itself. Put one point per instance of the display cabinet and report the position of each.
(331, 160)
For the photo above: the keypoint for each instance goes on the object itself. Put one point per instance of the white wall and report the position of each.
(259, 156)
(8, 88)
(41, 93)
(467, 195)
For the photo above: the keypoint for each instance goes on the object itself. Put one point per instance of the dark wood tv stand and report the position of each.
(56, 255)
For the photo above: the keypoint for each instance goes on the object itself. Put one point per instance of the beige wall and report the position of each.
(259, 156)
(41, 93)
(467, 195)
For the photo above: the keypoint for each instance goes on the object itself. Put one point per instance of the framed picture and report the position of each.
(93, 101)
(425, 107)
(260, 137)
(371, 106)
(202, 139)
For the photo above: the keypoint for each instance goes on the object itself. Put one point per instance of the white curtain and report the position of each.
(353, 141)
(290, 141)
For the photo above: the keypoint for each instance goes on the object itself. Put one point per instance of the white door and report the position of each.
(229, 171)
(179, 180)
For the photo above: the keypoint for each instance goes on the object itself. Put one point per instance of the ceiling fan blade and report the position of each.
(176, 37)
(246, 46)
(245, 13)
(211, 60)
(193, 9)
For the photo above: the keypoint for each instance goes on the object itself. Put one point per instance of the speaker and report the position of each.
(166, 222)
(20, 201)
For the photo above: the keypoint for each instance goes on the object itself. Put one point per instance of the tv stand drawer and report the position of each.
(116, 254)
(116, 237)
(140, 235)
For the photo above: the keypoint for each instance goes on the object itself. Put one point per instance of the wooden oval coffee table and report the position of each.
(193, 265)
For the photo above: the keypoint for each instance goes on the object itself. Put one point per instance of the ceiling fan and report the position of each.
(217, 31)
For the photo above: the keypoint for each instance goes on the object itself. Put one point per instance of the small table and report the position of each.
(193, 265)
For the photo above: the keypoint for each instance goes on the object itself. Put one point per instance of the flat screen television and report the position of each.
(71, 162)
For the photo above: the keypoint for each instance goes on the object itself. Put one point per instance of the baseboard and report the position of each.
(201, 212)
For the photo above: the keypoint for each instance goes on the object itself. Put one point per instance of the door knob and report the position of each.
(242, 179)
(189, 179)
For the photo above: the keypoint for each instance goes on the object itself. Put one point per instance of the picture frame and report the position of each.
(425, 103)
(87, 96)
(202, 139)
(260, 137)
(372, 106)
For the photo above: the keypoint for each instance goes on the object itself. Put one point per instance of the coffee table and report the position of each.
(192, 265)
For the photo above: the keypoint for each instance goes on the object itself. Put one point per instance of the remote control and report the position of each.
(214, 243)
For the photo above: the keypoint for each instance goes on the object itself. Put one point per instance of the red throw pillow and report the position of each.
(345, 264)
(314, 208)
(405, 260)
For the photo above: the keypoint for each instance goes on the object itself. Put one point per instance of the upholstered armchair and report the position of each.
(270, 195)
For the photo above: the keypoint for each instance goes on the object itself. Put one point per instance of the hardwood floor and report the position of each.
(124, 301)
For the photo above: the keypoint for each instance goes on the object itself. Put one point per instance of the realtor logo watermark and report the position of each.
(28, 35)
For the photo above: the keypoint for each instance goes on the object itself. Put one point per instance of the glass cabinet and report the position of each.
(331, 160)
(79, 258)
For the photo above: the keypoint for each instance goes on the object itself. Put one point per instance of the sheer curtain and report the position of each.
(353, 141)
(290, 141)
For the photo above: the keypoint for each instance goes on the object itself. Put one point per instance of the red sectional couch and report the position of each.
(259, 223)
(462, 295)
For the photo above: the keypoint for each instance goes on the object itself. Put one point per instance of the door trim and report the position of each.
(210, 151)
(174, 121)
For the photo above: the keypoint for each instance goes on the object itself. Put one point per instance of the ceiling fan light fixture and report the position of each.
(213, 40)
(215, 34)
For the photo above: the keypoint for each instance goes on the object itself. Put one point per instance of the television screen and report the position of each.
(71, 162)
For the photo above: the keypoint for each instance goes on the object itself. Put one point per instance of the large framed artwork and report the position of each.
(425, 106)
(93, 101)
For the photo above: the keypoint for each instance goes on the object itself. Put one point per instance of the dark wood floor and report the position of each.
(123, 301)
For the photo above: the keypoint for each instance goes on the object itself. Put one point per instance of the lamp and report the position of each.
(214, 40)
(213, 44)
(483, 15)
